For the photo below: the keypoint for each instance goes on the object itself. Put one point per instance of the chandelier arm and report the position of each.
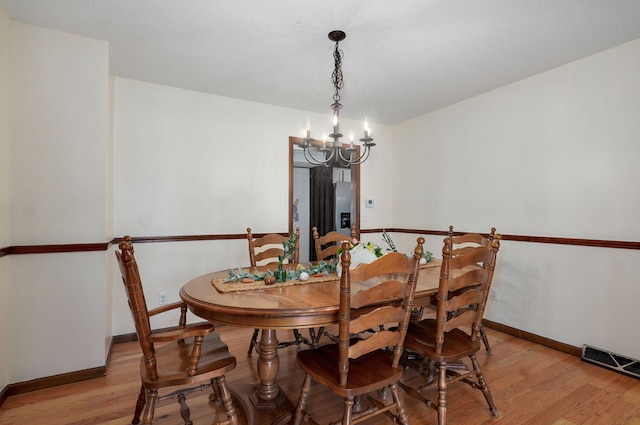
(360, 160)
(311, 159)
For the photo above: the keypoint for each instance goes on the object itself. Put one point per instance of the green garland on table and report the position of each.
(322, 267)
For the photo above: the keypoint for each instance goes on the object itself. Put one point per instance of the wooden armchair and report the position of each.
(454, 334)
(188, 355)
(371, 295)
(327, 246)
(264, 251)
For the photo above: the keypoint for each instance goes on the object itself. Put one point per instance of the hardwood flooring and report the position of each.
(531, 384)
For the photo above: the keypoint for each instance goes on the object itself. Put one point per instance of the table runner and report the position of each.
(236, 286)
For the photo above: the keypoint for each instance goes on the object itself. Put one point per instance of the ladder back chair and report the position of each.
(327, 245)
(461, 244)
(326, 248)
(371, 295)
(465, 278)
(264, 251)
(464, 243)
(188, 355)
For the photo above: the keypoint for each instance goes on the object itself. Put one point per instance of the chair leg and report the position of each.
(215, 393)
(401, 414)
(485, 340)
(442, 394)
(348, 409)
(225, 395)
(483, 386)
(302, 400)
(297, 338)
(184, 410)
(315, 336)
(254, 342)
(151, 396)
(357, 404)
(139, 406)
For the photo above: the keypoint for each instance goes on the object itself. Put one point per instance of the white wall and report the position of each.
(59, 186)
(553, 155)
(5, 168)
(189, 163)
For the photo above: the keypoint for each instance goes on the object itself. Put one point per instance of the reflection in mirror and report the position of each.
(325, 197)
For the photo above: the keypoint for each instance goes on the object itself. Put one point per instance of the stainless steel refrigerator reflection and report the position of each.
(342, 205)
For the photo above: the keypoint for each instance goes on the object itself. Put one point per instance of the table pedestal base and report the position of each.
(280, 412)
(274, 403)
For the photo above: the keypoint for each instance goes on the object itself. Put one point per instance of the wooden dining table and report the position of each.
(312, 304)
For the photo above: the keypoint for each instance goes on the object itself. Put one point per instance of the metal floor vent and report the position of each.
(612, 361)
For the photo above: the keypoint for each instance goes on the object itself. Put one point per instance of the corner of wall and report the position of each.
(5, 150)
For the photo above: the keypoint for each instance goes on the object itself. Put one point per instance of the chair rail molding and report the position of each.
(103, 246)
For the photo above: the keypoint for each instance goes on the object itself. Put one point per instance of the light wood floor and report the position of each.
(531, 384)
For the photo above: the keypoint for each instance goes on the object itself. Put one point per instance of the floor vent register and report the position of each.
(617, 362)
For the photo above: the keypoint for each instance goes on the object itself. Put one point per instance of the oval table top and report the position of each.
(298, 306)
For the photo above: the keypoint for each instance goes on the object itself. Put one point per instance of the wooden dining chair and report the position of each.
(327, 246)
(371, 295)
(454, 334)
(326, 249)
(190, 354)
(264, 251)
(461, 244)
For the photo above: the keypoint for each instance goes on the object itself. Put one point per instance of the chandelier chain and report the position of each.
(336, 76)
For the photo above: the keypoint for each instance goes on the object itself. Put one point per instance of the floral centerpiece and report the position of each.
(361, 253)
(367, 252)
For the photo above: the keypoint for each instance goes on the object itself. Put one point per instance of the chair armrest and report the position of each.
(200, 329)
(166, 307)
(182, 322)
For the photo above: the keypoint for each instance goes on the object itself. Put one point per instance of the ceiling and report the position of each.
(401, 58)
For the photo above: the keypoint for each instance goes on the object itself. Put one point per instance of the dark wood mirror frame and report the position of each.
(355, 184)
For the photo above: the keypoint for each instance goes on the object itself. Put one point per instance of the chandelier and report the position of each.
(334, 152)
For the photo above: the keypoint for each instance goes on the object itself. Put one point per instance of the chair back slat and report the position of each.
(470, 256)
(469, 297)
(393, 285)
(468, 278)
(375, 317)
(266, 249)
(327, 246)
(384, 297)
(376, 341)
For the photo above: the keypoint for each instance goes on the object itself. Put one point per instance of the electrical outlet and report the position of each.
(493, 294)
(162, 298)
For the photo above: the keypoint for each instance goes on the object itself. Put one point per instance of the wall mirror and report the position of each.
(325, 197)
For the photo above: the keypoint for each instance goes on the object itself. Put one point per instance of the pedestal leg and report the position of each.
(268, 394)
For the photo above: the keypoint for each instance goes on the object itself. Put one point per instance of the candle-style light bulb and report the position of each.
(366, 129)
(351, 141)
